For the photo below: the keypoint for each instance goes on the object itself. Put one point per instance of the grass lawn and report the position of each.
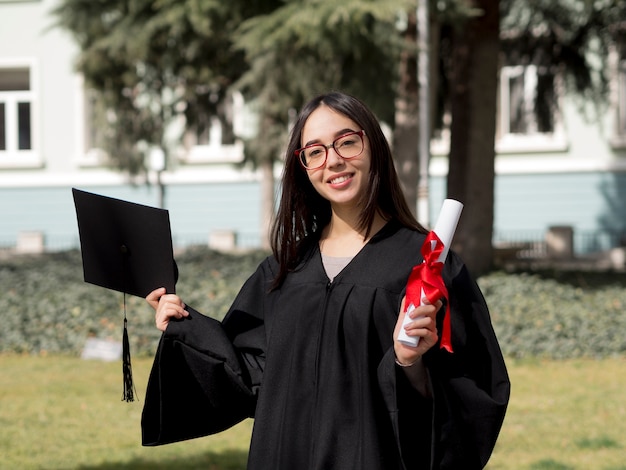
(66, 413)
(565, 415)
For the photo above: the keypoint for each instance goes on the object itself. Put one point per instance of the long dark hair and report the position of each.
(303, 213)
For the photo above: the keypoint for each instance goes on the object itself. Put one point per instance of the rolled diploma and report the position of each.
(444, 228)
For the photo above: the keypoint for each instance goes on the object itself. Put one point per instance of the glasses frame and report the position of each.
(300, 155)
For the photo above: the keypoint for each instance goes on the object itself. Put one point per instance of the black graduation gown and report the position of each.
(313, 363)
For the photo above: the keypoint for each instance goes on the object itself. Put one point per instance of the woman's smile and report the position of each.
(339, 180)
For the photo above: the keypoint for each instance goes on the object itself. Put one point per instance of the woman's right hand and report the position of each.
(167, 306)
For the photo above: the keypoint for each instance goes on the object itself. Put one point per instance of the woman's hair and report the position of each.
(303, 213)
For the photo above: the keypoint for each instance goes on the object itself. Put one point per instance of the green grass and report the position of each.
(565, 415)
(65, 413)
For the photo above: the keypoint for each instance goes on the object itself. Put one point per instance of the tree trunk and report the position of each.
(406, 130)
(471, 173)
(267, 201)
(406, 134)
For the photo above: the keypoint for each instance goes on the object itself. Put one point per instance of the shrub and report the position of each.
(46, 307)
(558, 314)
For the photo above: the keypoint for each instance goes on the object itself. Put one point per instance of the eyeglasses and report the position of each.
(347, 146)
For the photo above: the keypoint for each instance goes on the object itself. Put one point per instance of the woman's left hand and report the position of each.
(422, 326)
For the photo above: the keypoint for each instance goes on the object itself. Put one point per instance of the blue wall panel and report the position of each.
(195, 211)
(525, 207)
(48, 210)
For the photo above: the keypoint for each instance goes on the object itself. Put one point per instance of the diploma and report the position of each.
(425, 279)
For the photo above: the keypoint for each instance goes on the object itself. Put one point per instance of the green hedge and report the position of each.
(558, 314)
(45, 307)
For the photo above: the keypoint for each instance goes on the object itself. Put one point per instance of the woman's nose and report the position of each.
(333, 158)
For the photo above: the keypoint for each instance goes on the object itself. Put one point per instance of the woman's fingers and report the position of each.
(423, 325)
(168, 306)
(426, 309)
(424, 319)
(154, 296)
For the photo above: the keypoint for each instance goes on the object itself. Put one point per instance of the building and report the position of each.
(562, 180)
(45, 151)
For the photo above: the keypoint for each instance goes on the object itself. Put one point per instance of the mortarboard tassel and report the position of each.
(127, 370)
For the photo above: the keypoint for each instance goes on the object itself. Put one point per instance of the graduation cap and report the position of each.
(125, 247)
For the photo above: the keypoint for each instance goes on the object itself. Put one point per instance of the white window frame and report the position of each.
(621, 104)
(12, 156)
(87, 155)
(214, 151)
(532, 140)
(618, 66)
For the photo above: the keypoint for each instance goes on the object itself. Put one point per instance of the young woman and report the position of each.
(309, 347)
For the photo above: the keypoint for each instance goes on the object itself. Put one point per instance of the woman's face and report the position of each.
(341, 182)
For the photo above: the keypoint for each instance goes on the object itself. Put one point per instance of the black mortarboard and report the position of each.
(126, 247)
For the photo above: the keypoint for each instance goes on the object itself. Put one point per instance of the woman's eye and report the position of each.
(315, 152)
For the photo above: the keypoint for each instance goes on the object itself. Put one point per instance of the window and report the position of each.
(16, 116)
(216, 138)
(528, 113)
(524, 110)
(93, 124)
(529, 116)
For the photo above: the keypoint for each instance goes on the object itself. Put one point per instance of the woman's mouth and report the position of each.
(340, 179)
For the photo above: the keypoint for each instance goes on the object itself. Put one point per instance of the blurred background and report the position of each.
(516, 108)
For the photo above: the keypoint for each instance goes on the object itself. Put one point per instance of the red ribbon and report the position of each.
(427, 276)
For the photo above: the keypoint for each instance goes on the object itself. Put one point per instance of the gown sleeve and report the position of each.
(470, 386)
(206, 374)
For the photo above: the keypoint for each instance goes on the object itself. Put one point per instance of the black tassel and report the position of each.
(127, 370)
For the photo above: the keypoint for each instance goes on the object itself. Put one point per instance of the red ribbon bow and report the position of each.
(427, 276)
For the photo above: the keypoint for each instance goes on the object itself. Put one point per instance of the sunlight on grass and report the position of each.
(74, 408)
(563, 415)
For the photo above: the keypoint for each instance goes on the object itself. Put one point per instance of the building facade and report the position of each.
(45, 151)
(564, 172)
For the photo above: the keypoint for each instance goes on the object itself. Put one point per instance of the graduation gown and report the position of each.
(313, 364)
